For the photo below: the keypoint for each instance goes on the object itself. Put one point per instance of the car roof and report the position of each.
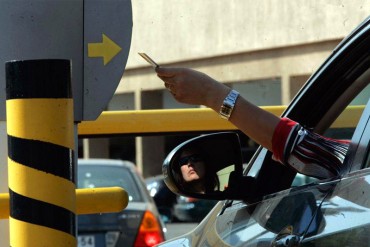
(110, 162)
(130, 166)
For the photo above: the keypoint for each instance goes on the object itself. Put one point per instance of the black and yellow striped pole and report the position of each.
(39, 111)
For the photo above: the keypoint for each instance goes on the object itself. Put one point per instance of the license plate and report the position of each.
(86, 241)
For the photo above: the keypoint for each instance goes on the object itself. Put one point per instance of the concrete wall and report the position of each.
(197, 33)
(172, 31)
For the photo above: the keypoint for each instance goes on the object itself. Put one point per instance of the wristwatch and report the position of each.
(228, 104)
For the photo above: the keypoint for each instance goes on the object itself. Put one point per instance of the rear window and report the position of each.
(92, 176)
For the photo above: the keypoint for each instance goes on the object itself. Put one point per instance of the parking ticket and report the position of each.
(149, 60)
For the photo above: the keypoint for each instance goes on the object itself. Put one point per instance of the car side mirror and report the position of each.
(208, 167)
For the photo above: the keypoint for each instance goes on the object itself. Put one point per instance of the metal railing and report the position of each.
(182, 120)
(88, 201)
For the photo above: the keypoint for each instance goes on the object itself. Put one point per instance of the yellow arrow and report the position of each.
(107, 49)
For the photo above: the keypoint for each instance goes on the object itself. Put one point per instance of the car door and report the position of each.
(346, 207)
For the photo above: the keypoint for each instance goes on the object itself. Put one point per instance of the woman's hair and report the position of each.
(211, 182)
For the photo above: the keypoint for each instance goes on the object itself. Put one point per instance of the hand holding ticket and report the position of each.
(149, 60)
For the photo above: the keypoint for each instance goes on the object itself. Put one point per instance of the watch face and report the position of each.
(228, 104)
(226, 110)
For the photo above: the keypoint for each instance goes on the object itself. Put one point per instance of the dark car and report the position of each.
(174, 208)
(163, 197)
(138, 224)
(264, 205)
(190, 209)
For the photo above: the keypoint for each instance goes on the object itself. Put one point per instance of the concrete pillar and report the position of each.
(285, 89)
(296, 83)
(96, 148)
(139, 154)
(138, 139)
(153, 155)
(149, 149)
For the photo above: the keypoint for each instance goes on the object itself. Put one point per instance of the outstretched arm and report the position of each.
(193, 87)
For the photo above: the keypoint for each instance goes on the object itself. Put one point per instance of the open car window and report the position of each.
(313, 215)
(343, 127)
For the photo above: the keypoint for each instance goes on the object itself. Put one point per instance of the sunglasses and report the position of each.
(190, 159)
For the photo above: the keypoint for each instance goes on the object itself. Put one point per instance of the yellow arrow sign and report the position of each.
(107, 49)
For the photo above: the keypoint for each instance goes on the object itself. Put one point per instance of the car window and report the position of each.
(342, 128)
(109, 176)
(345, 125)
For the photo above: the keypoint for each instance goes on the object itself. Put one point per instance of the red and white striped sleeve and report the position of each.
(281, 134)
(307, 152)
